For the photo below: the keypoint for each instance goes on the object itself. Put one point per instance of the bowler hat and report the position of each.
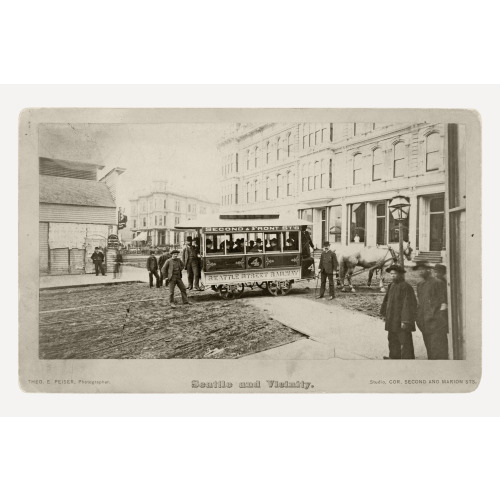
(326, 244)
(396, 268)
(174, 251)
(440, 267)
(423, 264)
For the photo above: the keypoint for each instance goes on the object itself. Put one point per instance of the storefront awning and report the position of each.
(141, 237)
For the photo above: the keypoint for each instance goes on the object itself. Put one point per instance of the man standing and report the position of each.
(432, 313)
(117, 270)
(328, 264)
(306, 242)
(190, 256)
(172, 269)
(152, 267)
(399, 310)
(98, 258)
(161, 262)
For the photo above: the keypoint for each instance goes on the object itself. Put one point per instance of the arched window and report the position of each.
(256, 159)
(399, 159)
(324, 174)
(278, 185)
(268, 153)
(289, 145)
(377, 164)
(433, 158)
(356, 174)
(278, 148)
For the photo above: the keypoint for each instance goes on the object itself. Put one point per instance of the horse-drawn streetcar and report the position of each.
(241, 251)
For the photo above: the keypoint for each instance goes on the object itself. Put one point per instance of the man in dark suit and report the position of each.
(172, 269)
(432, 312)
(328, 264)
(98, 258)
(399, 309)
(152, 267)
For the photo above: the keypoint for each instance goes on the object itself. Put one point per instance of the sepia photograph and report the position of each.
(255, 241)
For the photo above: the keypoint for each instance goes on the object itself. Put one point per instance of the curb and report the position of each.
(108, 283)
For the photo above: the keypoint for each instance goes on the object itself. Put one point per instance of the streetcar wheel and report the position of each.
(272, 288)
(285, 287)
(229, 292)
(262, 285)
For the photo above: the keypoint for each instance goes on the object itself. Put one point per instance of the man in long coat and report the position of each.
(328, 264)
(432, 313)
(152, 267)
(399, 310)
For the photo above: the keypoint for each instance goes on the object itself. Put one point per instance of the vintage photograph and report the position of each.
(285, 240)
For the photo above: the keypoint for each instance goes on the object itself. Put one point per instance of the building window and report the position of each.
(289, 145)
(356, 177)
(248, 160)
(317, 136)
(268, 152)
(236, 194)
(177, 219)
(311, 136)
(324, 235)
(267, 188)
(381, 224)
(330, 174)
(324, 132)
(316, 175)
(248, 192)
(399, 159)
(304, 141)
(336, 223)
(288, 184)
(377, 164)
(256, 159)
(236, 162)
(433, 158)
(358, 222)
(310, 179)
(255, 190)
(177, 206)
(278, 148)
(135, 223)
(164, 220)
(324, 175)
(144, 222)
(278, 183)
(189, 208)
(355, 129)
(156, 220)
(303, 184)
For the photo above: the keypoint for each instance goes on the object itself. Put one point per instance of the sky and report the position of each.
(183, 154)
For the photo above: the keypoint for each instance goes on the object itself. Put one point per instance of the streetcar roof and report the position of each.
(242, 222)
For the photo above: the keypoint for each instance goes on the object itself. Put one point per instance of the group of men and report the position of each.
(168, 268)
(428, 310)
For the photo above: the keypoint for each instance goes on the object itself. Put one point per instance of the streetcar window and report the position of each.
(255, 242)
(291, 241)
(236, 242)
(272, 242)
(214, 244)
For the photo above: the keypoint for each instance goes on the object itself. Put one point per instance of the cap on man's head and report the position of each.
(189, 238)
(326, 244)
(396, 268)
(440, 268)
(258, 240)
(96, 248)
(174, 252)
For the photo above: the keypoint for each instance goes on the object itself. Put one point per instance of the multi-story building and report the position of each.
(340, 178)
(155, 212)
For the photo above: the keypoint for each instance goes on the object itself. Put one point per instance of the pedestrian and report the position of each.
(117, 270)
(306, 242)
(399, 310)
(172, 269)
(440, 272)
(328, 264)
(161, 262)
(191, 256)
(432, 312)
(98, 258)
(152, 267)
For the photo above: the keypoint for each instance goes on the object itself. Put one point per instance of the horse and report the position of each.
(372, 258)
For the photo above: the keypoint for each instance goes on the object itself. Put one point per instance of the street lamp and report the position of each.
(400, 207)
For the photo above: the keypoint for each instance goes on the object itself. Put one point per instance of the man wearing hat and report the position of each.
(152, 267)
(172, 270)
(432, 313)
(190, 256)
(328, 264)
(98, 258)
(399, 310)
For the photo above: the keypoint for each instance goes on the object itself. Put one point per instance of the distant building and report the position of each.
(340, 178)
(77, 213)
(155, 213)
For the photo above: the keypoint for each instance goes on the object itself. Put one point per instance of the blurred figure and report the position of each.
(117, 269)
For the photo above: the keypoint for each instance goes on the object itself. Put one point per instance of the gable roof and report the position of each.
(69, 191)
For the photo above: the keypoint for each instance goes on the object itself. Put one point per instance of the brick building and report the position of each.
(340, 178)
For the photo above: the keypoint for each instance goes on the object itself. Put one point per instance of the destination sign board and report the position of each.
(251, 276)
(250, 229)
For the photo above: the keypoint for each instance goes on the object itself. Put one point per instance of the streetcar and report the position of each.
(252, 250)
